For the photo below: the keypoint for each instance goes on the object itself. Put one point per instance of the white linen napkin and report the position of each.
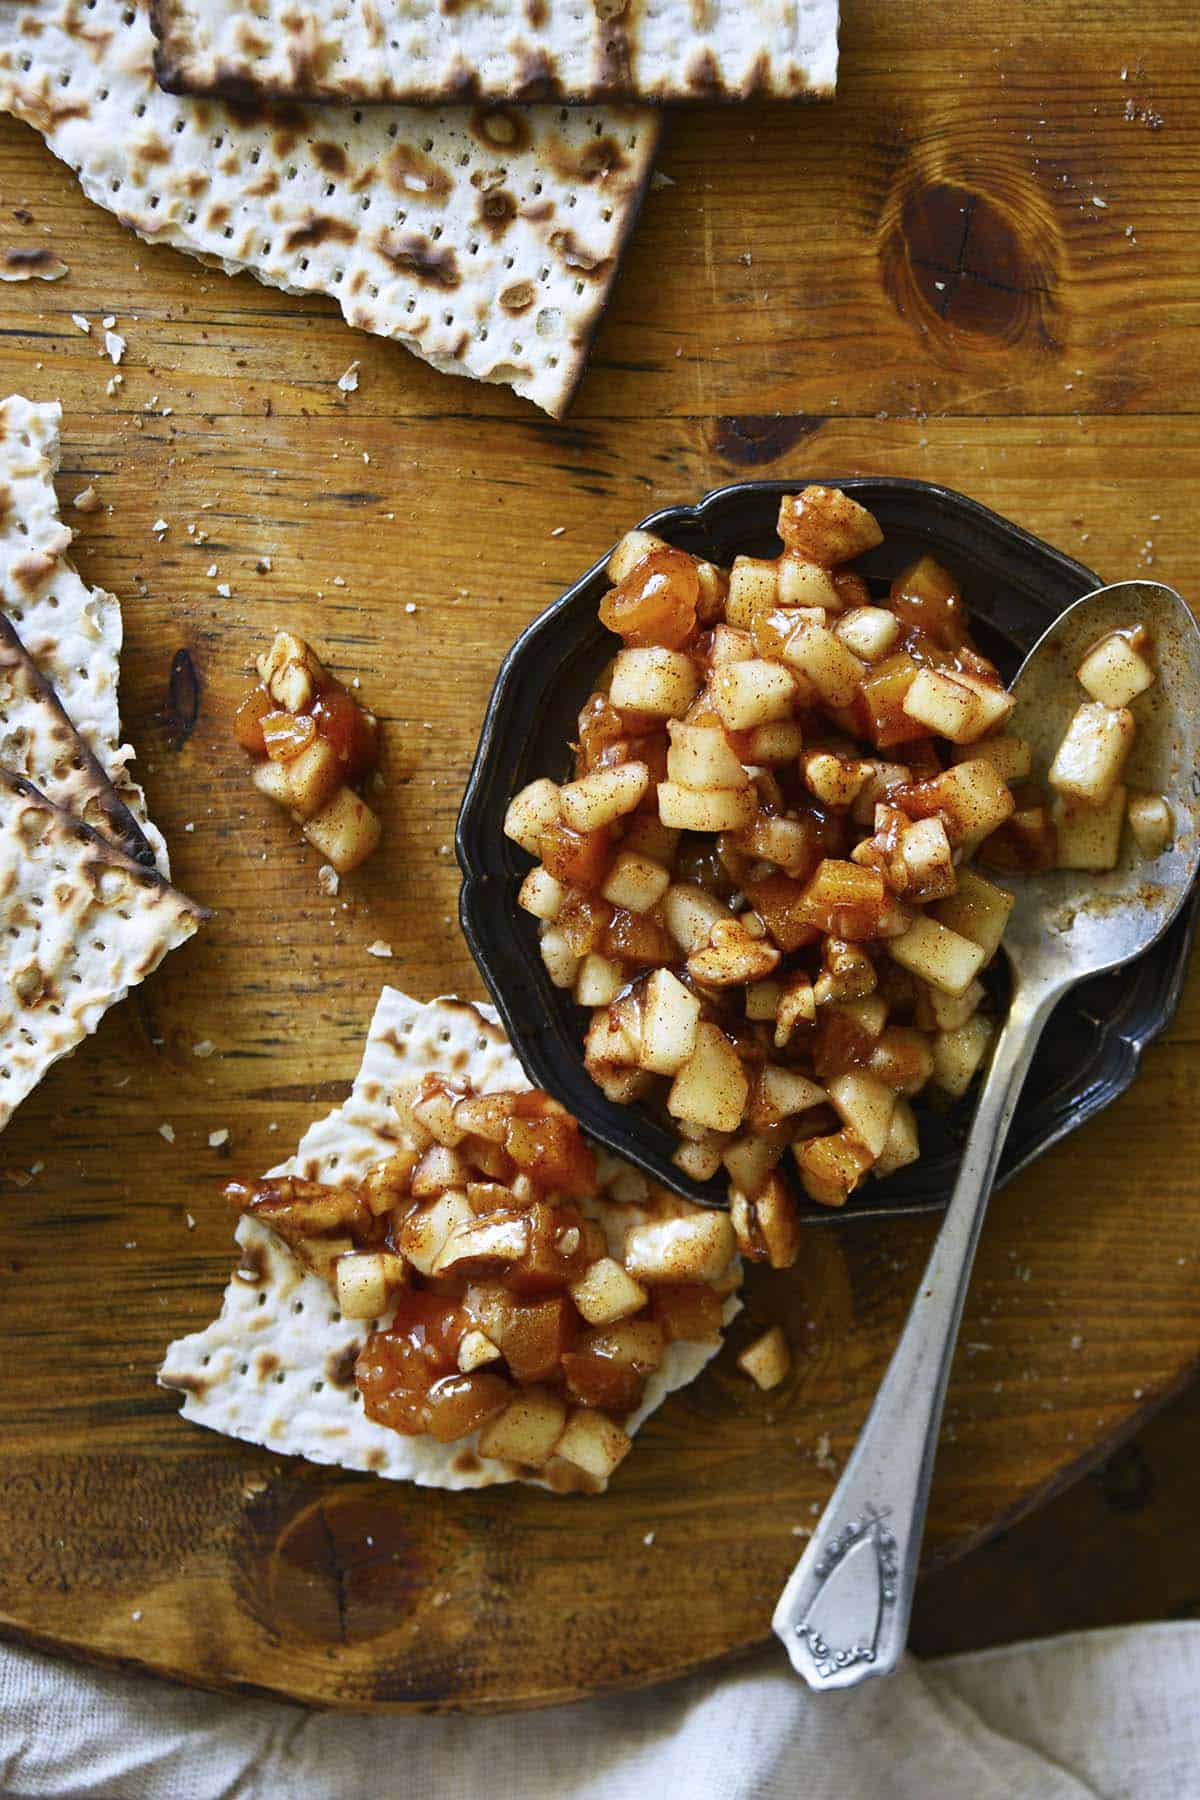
(1106, 1715)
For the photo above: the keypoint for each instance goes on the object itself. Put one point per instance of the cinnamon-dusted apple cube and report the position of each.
(834, 671)
(607, 1292)
(753, 588)
(646, 835)
(868, 1012)
(475, 1351)
(827, 526)
(865, 1105)
(424, 1232)
(629, 553)
(730, 644)
(621, 1086)
(902, 1059)
(945, 706)
(1011, 757)
(365, 1282)
(805, 583)
(767, 1226)
(598, 980)
(561, 962)
(635, 883)
(483, 1246)
(531, 813)
(844, 900)
(345, 831)
(712, 1087)
(441, 1167)
(767, 1360)
(834, 780)
(938, 955)
(386, 1186)
(670, 1016)
(541, 894)
(868, 632)
(732, 957)
(970, 797)
(780, 1092)
(797, 1008)
(696, 1247)
(437, 1111)
(832, 1167)
(313, 777)
(1089, 837)
(701, 757)
(597, 799)
(527, 1431)
(936, 1011)
(699, 1161)
(1115, 671)
(771, 746)
(762, 1001)
(271, 779)
(903, 1144)
(995, 701)
(1152, 823)
(615, 1034)
(1089, 760)
(791, 843)
(593, 1442)
(755, 692)
(662, 683)
(957, 1055)
(928, 860)
(848, 974)
(710, 809)
(978, 910)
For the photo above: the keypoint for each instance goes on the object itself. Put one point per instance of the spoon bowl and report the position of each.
(843, 1616)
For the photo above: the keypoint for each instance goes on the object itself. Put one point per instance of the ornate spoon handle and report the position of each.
(843, 1616)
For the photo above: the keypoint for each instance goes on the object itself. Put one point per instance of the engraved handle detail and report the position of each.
(843, 1616)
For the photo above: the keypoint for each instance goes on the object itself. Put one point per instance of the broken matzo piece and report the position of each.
(485, 239)
(277, 1366)
(80, 924)
(73, 633)
(509, 50)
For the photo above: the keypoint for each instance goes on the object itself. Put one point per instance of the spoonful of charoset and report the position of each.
(844, 1614)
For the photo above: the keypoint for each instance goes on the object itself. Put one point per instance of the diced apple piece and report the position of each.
(606, 794)
(701, 757)
(541, 894)
(780, 1092)
(630, 551)
(730, 645)
(832, 1167)
(903, 1144)
(834, 780)
(700, 1161)
(771, 746)
(475, 1351)
(970, 797)
(978, 910)
(750, 1160)
(345, 831)
(1011, 757)
(562, 964)
(767, 1225)
(441, 1167)
(928, 860)
(756, 692)
(621, 1086)
(424, 1232)
(767, 1360)
(938, 955)
(753, 588)
(646, 835)
(714, 809)
(946, 1012)
(805, 583)
(869, 1012)
(689, 914)
(791, 843)
(483, 1246)
(271, 779)
(825, 661)
(1089, 837)
(593, 1442)
(865, 1105)
(797, 1006)
(1089, 760)
(437, 1111)
(697, 1247)
(662, 683)
(732, 957)
(386, 1185)
(712, 1087)
(607, 1292)
(527, 1431)
(313, 777)
(531, 813)
(1152, 823)
(1114, 671)
(844, 900)
(868, 632)
(902, 1059)
(958, 1054)
(635, 883)
(827, 525)
(945, 706)
(670, 1015)
(762, 1001)
(598, 980)
(995, 701)
(366, 1282)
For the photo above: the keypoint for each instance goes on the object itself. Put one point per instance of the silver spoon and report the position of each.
(843, 1616)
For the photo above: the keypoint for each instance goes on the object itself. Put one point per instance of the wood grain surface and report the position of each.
(977, 267)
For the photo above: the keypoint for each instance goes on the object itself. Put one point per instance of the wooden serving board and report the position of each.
(977, 267)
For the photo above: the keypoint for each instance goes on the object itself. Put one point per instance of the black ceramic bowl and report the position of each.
(1014, 586)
